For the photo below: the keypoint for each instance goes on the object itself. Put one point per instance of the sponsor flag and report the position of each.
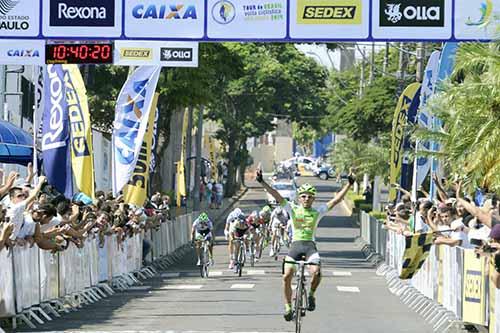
(445, 68)
(417, 247)
(131, 119)
(82, 160)
(422, 164)
(181, 178)
(135, 192)
(37, 114)
(55, 132)
(404, 113)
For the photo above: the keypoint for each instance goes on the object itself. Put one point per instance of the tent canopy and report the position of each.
(16, 145)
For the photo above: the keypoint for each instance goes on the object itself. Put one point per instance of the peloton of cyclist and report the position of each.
(239, 229)
(202, 230)
(236, 213)
(279, 221)
(305, 219)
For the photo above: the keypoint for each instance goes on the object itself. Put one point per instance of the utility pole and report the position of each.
(188, 151)
(372, 64)
(362, 76)
(197, 170)
(420, 62)
(386, 59)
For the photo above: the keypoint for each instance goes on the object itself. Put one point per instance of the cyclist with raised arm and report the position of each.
(236, 213)
(305, 219)
(202, 230)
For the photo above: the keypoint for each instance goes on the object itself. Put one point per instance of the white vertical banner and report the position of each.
(131, 119)
(422, 165)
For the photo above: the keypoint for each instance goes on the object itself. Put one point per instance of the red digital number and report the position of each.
(95, 53)
(106, 52)
(60, 52)
(84, 52)
(73, 51)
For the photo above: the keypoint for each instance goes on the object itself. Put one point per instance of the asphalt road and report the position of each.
(351, 297)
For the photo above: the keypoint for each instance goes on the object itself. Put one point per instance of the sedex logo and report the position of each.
(82, 13)
(412, 13)
(176, 54)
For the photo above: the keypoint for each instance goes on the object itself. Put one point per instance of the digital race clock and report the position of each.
(92, 53)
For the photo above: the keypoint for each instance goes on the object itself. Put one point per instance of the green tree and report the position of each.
(470, 108)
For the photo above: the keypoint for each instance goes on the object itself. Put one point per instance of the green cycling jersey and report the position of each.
(304, 220)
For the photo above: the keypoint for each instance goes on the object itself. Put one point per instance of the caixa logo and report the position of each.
(412, 13)
(176, 54)
(29, 53)
(82, 13)
(172, 11)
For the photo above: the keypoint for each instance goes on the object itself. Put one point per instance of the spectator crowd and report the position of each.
(40, 215)
(455, 218)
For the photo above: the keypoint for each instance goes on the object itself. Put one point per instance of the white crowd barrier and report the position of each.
(453, 277)
(30, 276)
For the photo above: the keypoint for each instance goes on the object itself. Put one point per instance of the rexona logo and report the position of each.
(412, 13)
(328, 12)
(9, 20)
(82, 13)
(176, 54)
(173, 11)
(137, 53)
(30, 53)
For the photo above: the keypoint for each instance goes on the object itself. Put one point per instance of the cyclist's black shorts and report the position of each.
(240, 232)
(298, 249)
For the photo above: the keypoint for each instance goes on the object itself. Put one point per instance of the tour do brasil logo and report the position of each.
(223, 12)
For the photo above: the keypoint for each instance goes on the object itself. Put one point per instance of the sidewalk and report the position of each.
(214, 214)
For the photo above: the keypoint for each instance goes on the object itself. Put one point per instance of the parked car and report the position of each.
(287, 190)
(324, 172)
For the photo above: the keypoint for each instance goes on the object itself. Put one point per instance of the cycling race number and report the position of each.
(79, 54)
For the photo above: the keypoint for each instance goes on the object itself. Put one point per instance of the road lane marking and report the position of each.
(170, 275)
(256, 272)
(182, 286)
(341, 273)
(242, 286)
(348, 289)
(138, 288)
(215, 273)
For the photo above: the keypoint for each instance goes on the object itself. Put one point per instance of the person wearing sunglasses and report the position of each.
(19, 202)
(305, 219)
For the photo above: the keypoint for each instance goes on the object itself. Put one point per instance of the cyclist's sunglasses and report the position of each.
(306, 195)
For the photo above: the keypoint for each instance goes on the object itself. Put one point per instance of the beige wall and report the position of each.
(263, 154)
(283, 148)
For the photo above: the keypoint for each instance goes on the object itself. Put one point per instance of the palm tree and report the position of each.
(470, 108)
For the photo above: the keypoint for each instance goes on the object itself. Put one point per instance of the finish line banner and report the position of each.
(251, 20)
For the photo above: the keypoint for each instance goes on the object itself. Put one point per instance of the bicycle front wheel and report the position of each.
(298, 306)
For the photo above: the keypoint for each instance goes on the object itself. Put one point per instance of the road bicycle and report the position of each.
(240, 257)
(300, 302)
(251, 256)
(204, 258)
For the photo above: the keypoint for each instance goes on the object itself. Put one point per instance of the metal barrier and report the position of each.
(35, 284)
(451, 287)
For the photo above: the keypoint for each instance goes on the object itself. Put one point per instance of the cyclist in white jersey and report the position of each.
(235, 214)
(279, 221)
(202, 230)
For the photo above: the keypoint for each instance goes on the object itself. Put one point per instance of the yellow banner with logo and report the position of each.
(398, 134)
(493, 299)
(136, 190)
(417, 247)
(181, 178)
(474, 295)
(82, 161)
(329, 11)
